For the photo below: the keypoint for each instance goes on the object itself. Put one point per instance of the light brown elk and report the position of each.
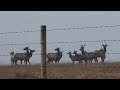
(23, 56)
(54, 56)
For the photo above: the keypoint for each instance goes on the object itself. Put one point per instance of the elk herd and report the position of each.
(83, 57)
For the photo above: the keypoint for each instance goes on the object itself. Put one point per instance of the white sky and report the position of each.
(15, 21)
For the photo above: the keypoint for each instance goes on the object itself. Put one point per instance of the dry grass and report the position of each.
(63, 71)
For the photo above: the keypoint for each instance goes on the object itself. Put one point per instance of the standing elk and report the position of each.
(28, 53)
(12, 57)
(87, 56)
(73, 58)
(54, 56)
(23, 56)
(101, 53)
(79, 56)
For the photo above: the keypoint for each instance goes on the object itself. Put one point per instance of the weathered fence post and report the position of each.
(43, 52)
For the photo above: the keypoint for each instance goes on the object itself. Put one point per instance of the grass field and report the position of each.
(63, 71)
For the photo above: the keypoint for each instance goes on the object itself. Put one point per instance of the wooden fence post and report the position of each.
(43, 52)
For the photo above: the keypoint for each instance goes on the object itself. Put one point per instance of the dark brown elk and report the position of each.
(79, 56)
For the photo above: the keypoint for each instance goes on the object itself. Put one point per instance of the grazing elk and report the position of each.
(54, 56)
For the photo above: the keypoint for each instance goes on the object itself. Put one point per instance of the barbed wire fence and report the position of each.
(63, 42)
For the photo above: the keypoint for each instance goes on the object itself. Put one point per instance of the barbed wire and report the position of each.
(64, 29)
(19, 32)
(19, 44)
(85, 41)
(60, 29)
(5, 55)
(10, 55)
(58, 42)
(105, 53)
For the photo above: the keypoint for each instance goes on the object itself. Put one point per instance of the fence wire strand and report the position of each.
(5, 55)
(19, 32)
(58, 42)
(62, 29)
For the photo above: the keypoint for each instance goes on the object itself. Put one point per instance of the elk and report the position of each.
(87, 56)
(54, 56)
(23, 56)
(101, 53)
(12, 56)
(59, 54)
(28, 53)
(79, 56)
(73, 58)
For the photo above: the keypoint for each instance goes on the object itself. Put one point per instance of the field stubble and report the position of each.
(63, 71)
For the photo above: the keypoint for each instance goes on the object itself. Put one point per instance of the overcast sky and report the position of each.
(18, 21)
